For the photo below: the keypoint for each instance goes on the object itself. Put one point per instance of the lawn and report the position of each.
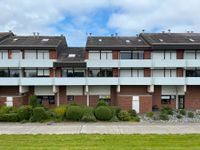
(100, 142)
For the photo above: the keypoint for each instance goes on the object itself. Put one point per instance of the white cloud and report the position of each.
(125, 17)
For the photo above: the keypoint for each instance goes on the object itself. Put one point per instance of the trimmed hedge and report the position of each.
(88, 115)
(11, 117)
(6, 110)
(33, 101)
(101, 103)
(39, 114)
(74, 113)
(132, 112)
(167, 110)
(124, 115)
(103, 113)
(24, 112)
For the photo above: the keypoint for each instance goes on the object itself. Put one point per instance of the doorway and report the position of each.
(181, 102)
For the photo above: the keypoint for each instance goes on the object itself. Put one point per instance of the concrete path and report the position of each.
(98, 128)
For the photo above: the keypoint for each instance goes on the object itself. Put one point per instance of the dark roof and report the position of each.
(71, 57)
(172, 40)
(115, 43)
(32, 42)
(4, 35)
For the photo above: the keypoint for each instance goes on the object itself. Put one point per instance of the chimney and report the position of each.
(116, 34)
(169, 30)
(143, 30)
(90, 34)
(112, 34)
(34, 34)
(38, 34)
(163, 32)
(192, 31)
(10, 31)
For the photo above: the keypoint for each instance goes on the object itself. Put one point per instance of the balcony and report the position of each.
(9, 81)
(135, 80)
(135, 63)
(36, 81)
(168, 63)
(102, 63)
(9, 63)
(193, 81)
(102, 81)
(192, 63)
(36, 63)
(70, 81)
(169, 80)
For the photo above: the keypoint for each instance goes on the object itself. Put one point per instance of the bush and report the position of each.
(60, 111)
(115, 110)
(124, 116)
(182, 112)
(33, 101)
(132, 112)
(88, 115)
(39, 114)
(164, 116)
(11, 117)
(190, 114)
(24, 112)
(150, 114)
(101, 103)
(178, 116)
(6, 110)
(74, 113)
(103, 113)
(136, 119)
(167, 110)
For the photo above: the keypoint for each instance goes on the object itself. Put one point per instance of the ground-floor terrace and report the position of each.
(142, 98)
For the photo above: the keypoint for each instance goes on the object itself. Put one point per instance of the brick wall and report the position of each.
(179, 54)
(115, 54)
(192, 97)
(145, 103)
(2, 101)
(9, 90)
(125, 102)
(53, 54)
(147, 54)
(86, 55)
(94, 99)
(115, 72)
(133, 90)
(179, 72)
(62, 95)
(147, 72)
(58, 72)
(156, 102)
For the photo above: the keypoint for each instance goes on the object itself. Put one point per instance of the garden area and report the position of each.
(34, 112)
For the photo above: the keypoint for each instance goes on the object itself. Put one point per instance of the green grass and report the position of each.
(100, 142)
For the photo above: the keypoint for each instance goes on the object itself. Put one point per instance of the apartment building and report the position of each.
(145, 72)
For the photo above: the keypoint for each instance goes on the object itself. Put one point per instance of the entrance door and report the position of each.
(9, 101)
(136, 103)
(181, 102)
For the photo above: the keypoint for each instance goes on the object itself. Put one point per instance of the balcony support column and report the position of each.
(87, 95)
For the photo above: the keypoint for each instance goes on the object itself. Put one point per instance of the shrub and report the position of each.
(132, 112)
(164, 116)
(136, 119)
(190, 114)
(115, 110)
(178, 116)
(39, 114)
(150, 114)
(60, 111)
(182, 112)
(124, 116)
(101, 103)
(33, 101)
(88, 115)
(6, 110)
(11, 117)
(167, 110)
(24, 112)
(103, 113)
(74, 113)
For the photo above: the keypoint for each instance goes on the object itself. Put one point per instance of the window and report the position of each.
(4, 73)
(132, 55)
(30, 54)
(164, 73)
(70, 98)
(43, 55)
(105, 98)
(50, 99)
(73, 72)
(14, 73)
(100, 55)
(130, 72)
(43, 72)
(30, 73)
(125, 55)
(100, 73)
(165, 99)
(193, 73)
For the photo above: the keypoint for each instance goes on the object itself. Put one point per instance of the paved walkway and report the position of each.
(99, 128)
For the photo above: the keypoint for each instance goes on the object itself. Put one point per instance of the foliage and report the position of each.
(136, 119)
(60, 111)
(179, 116)
(24, 112)
(88, 115)
(33, 101)
(190, 114)
(74, 113)
(167, 110)
(101, 103)
(11, 117)
(132, 112)
(182, 112)
(124, 116)
(103, 113)
(6, 110)
(150, 114)
(164, 116)
(115, 110)
(39, 114)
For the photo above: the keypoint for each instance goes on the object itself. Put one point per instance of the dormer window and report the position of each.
(71, 55)
(161, 40)
(15, 39)
(191, 40)
(100, 40)
(128, 41)
(45, 40)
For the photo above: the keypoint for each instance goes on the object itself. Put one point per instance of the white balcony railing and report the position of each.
(26, 81)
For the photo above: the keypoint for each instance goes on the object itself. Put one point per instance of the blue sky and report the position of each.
(77, 18)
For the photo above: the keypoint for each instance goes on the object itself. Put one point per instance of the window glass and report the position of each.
(141, 55)
(30, 73)
(4, 73)
(125, 55)
(70, 98)
(14, 73)
(78, 73)
(165, 99)
(16, 54)
(30, 54)
(135, 55)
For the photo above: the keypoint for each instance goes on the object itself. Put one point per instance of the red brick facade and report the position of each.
(192, 97)
(53, 54)
(115, 54)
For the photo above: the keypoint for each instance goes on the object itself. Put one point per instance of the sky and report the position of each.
(76, 19)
